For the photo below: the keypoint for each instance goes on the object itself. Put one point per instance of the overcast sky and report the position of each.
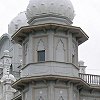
(87, 17)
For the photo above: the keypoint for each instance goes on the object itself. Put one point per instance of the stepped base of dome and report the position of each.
(50, 18)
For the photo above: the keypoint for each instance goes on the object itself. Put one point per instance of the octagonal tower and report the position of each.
(50, 51)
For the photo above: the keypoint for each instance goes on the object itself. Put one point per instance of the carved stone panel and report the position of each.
(41, 94)
(61, 94)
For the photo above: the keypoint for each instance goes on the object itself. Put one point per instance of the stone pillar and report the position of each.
(50, 46)
(51, 91)
(7, 78)
(30, 57)
(70, 48)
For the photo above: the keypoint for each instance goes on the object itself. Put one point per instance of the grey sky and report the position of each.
(87, 17)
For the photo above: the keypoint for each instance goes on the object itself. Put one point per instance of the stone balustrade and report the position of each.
(90, 79)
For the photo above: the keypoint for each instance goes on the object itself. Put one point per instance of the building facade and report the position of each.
(48, 67)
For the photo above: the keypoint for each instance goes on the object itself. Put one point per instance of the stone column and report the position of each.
(50, 46)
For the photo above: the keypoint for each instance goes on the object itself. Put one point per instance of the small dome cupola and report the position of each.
(19, 21)
(82, 67)
(55, 10)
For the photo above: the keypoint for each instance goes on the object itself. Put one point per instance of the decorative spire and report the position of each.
(7, 78)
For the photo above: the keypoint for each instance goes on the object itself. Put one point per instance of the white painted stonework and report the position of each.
(17, 22)
(46, 7)
(45, 26)
(7, 78)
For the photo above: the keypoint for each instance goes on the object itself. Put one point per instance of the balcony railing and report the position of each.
(90, 79)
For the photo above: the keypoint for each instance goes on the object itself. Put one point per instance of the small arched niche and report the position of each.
(60, 52)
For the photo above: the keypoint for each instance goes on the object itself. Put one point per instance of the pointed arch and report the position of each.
(40, 45)
(60, 98)
(40, 98)
(60, 51)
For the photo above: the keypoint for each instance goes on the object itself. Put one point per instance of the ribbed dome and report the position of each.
(17, 22)
(56, 8)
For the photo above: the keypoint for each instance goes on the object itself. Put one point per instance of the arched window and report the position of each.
(41, 55)
(41, 51)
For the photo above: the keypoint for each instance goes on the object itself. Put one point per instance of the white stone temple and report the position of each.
(39, 56)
